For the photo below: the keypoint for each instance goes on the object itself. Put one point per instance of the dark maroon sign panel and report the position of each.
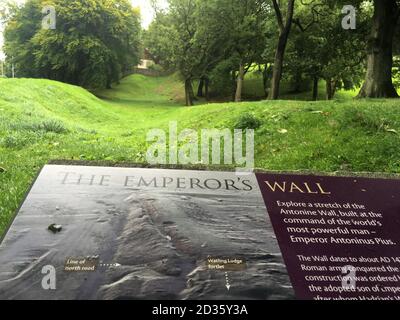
(340, 237)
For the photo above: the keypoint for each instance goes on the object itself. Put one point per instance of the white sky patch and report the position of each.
(146, 11)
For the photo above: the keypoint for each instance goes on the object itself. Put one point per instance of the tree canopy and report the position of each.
(93, 43)
(215, 44)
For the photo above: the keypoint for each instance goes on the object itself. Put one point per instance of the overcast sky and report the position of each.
(144, 5)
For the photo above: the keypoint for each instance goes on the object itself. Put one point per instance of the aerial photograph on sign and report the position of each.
(119, 233)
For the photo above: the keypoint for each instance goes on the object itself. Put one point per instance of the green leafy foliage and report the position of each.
(94, 42)
(248, 121)
(396, 72)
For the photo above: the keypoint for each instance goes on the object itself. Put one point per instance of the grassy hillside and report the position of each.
(42, 120)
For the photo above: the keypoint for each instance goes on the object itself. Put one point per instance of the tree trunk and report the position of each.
(378, 82)
(233, 80)
(333, 91)
(278, 67)
(200, 88)
(207, 87)
(330, 88)
(239, 83)
(266, 78)
(188, 92)
(280, 50)
(315, 89)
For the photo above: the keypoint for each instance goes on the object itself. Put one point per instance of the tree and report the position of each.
(321, 49)
(285, 25)
(94, 42)
(205, 34)
(237, 34)
(246, 23)
(378, 81)
(171, 41)
(21, 24)
(213, 37)
(157, 40)
(185, 47)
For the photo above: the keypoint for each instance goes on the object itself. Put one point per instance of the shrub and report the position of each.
(248, 121)
(156, 67)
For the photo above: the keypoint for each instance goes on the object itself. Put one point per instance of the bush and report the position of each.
(248, 121)
(156, 67)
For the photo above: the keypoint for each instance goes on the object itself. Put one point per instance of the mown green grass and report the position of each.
(42, 120)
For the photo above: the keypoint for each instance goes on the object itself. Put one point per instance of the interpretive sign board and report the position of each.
(339, 236)
(134, 233)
